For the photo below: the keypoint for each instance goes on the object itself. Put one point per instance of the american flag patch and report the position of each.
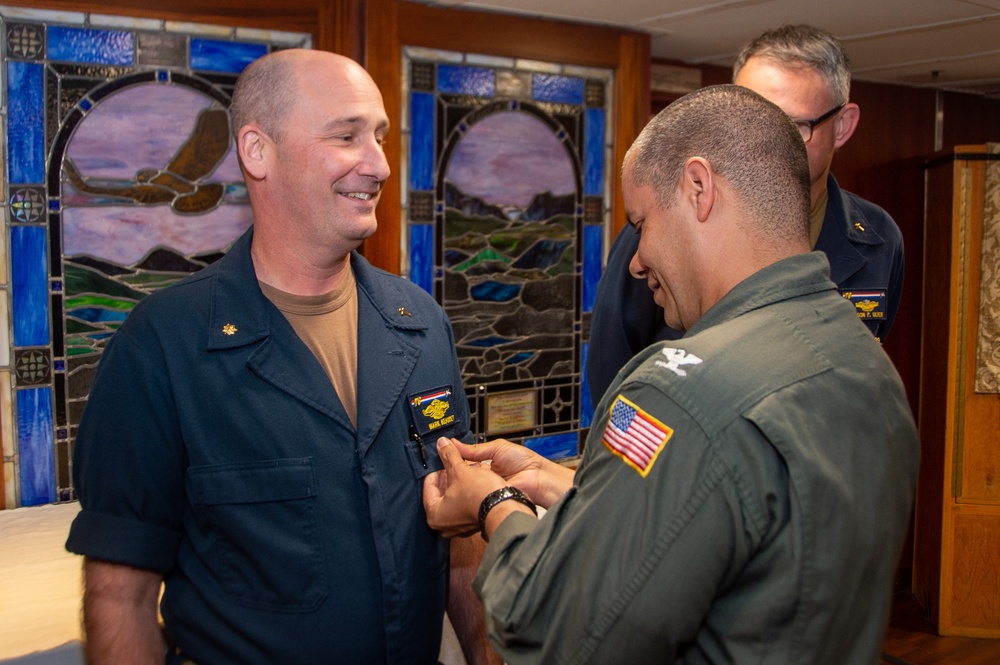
(635, 436)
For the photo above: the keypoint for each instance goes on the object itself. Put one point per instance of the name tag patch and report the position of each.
(432, 410)
(868, 304)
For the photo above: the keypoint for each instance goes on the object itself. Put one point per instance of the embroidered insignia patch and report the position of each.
(868, 304)
(676, 358)
(432, 410)
(635, 436)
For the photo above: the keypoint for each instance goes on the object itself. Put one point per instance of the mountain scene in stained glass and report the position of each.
(510, 249)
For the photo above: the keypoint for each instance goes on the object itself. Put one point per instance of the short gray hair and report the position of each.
(804, 46)
(263, 94)
(747, 140)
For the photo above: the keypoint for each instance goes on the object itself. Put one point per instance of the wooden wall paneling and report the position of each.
(981, 465)
(884, 163)
(975, 602)
(346, 19)
(384, 61)
(969, 119)
(956, 344)
(942, 209)
(391, 24)
(957, 556)
(980, 422)
(631, 111)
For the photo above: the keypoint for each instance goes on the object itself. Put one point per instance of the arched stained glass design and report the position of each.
(505, 200)
(121, 178)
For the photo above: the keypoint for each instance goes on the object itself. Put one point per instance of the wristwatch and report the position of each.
(498, 496)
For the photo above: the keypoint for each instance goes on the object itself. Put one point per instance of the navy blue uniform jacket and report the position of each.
(214, 450)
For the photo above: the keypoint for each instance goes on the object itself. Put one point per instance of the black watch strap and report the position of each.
(498, 496)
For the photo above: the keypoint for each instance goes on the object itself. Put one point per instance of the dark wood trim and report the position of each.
(958, 156)
(383, 58)
(632, 112)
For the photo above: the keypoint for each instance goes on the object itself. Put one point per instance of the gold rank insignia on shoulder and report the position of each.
(403, 312)
(229, 329)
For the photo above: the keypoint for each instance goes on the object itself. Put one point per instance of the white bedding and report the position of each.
(40, 590)
(40, 584)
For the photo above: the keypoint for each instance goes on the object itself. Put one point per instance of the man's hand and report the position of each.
(452, 496)
(540, 478)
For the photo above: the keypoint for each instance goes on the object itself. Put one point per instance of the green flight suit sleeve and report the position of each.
(624, 568)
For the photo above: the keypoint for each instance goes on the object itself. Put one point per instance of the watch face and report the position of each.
(500, 495)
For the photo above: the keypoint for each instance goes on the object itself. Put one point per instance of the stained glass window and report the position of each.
(506, 204)
(121, 178)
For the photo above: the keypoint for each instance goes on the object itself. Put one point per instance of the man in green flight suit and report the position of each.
(745, 490)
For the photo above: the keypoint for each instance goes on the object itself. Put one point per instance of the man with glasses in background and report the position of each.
(805, 72)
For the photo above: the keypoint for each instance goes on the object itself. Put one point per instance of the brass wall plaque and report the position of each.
(511, 411)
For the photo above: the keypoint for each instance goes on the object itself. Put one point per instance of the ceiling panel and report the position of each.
(719, 36)
(893, 41)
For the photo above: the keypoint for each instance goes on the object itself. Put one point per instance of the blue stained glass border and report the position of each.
(586, 404)
(465, 80)
(422, 256)
(594, 120)
(555, 446)
(554, 88)
(102, 47)
(216, 55)
(593, 255)
(29, 285)
(422, 141)
(25, 123)
(35, 446)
